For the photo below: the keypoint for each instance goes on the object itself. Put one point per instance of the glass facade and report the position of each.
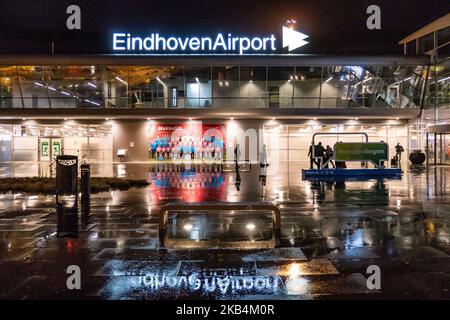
(439, 87)
(290, 142)
(37, 142)
(65, 86)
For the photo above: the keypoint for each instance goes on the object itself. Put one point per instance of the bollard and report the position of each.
(85, 188)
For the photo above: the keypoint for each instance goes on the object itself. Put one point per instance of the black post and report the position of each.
(85, 188)
(67, 195)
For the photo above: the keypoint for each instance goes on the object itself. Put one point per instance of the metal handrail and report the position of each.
(219, 206)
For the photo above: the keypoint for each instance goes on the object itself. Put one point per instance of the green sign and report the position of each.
(372, 151)
(44, 149)
(56, 148)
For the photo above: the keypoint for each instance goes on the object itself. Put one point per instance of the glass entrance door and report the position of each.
(438, 148)
(445, 148)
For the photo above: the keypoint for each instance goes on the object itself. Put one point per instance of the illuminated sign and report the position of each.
(358, 151)
(155, 43)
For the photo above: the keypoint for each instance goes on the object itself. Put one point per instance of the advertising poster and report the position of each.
(195, 141)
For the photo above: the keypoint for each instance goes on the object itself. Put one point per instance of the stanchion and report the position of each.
(85, 188)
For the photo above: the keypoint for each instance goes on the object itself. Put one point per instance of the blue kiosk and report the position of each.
(376, 153)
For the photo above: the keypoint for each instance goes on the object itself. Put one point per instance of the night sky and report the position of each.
(334, 27)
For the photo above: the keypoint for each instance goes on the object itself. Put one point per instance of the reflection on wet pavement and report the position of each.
(331, 232)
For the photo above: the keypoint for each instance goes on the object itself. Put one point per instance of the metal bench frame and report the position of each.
(219, 206)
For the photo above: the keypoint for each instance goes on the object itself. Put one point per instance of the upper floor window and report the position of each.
(411, 48)
(426, 43)
(443, 36)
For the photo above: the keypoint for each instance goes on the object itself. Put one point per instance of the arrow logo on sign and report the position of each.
(293, 39)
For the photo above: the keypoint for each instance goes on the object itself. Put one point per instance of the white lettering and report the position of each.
(172, 44)
(194, 44)
(220, 43)
(116, 41)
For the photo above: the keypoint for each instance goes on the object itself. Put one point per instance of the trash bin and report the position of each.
(67, 195)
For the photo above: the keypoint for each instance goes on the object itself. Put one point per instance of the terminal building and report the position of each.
(151, 108)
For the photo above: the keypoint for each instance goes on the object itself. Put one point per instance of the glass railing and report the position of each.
(366, 101)
(211, 87)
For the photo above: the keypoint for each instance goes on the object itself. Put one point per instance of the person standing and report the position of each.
(399, 150)
(312, 161)
(237, 155)
(319, 153)
(263, 157)
(329, 156)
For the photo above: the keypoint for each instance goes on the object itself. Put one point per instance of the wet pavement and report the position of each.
(330, 233)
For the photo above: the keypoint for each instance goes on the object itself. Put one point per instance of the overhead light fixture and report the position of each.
(92, 102)
(65, 93)
(328, 80)
(51, 88)
(159, 80)
(196, 79)
(92, 85)
(119, 79)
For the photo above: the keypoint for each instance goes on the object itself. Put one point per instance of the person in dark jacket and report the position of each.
(399, 150)
(311, 155)
(329, 156)
(320, 153)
